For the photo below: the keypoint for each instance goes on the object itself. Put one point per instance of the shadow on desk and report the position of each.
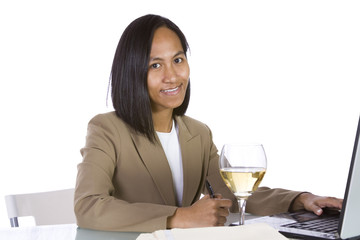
(88, 234)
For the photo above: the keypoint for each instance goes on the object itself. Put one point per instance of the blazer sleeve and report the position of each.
(94, 203)
(264, 201)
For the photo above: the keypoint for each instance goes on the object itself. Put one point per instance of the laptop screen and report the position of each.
(350, 214)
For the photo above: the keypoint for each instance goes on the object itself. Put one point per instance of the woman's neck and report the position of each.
(162, 121)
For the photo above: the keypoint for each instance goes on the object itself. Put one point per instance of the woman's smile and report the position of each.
(172, 91)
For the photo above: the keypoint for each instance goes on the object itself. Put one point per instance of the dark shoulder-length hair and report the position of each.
(128, 78)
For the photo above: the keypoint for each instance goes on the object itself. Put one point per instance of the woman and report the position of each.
(145, 165)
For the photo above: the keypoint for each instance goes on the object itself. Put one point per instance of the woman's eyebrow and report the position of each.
(159, 58)
(179, 53)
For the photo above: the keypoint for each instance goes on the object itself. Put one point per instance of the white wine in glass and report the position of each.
(242, 168)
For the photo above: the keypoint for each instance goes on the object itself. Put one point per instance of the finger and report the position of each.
(317, 210)
(224, 212)
(330, 202)
(225, 203)
(335, 203)
(322, 202)
(314, 207)
(218, 196)
(221, 221)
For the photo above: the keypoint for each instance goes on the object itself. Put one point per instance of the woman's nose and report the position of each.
(170, 74)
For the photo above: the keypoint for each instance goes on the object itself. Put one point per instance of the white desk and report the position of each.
(72, 232)
(62, 232)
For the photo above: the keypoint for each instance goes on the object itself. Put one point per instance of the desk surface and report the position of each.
(62, 232)
(70, 232)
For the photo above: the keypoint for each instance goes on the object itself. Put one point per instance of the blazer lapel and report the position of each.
(192, 164)
(153, 156)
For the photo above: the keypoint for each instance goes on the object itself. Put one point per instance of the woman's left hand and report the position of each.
(314, 203)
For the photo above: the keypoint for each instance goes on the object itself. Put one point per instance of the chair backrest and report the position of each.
(48, 208)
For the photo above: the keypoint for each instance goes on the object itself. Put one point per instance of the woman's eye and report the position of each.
(178, 60)
(155, 65)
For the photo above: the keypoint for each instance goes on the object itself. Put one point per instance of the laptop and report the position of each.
(332, 224)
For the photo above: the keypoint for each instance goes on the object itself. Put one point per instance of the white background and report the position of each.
(282, 73)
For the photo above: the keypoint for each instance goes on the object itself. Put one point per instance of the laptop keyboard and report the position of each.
(325, 225)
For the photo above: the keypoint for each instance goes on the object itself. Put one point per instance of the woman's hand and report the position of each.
(314, 203)
(203, 213)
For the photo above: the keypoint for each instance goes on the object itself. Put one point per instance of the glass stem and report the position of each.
(242, 205)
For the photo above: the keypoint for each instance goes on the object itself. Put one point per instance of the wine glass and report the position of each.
(242, 168)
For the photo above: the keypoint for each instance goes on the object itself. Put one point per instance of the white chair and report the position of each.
(47, 208)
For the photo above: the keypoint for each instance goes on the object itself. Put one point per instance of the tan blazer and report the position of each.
(125, 184)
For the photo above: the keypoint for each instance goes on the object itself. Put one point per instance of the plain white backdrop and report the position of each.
(282, 73)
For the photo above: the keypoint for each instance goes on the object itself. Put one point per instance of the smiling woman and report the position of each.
(283, 73)
(145, 165)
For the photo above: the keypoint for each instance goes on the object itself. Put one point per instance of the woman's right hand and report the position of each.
(204, 213)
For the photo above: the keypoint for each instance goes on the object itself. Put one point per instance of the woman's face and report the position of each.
(168, 73)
